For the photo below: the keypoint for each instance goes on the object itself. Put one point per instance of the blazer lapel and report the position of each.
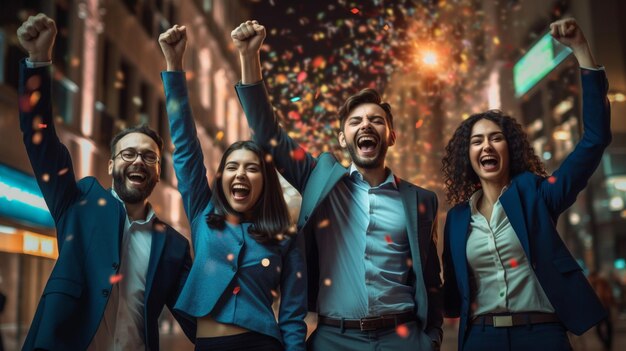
(513, 208)
(158, 243)
(410, 200)
(314, 194)
(458, 245)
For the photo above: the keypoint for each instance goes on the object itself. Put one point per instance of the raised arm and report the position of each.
(560, 190)
(288, 156)
(50, 159)
(188, 159)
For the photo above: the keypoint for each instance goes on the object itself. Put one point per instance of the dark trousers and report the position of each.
(250, 341)
(328, 338)
(535, 337)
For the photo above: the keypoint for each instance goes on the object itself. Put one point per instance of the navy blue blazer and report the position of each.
(533, 205)
(89, 225)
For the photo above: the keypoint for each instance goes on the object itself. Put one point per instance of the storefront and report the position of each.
(28, 250)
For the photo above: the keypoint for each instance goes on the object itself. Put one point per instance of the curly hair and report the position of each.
(460, 179)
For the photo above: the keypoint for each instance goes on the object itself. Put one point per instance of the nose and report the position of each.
(365, 123)
(241, 172)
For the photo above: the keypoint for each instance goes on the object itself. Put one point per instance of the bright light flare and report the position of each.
(430, 58)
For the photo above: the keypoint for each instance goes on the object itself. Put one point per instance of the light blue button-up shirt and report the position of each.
(363, 250)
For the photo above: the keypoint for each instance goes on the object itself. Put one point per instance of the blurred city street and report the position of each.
(435, 62)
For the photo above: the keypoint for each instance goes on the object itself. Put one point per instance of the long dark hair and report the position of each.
(270, 216)
(460, 179)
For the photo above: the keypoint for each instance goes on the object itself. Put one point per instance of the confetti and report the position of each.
(102, 202)
(116, 278)
(402, 331)
(230, 257)
(299, 275)
(63, 171)
(274, 293)
(323, 223)
(236, 290)
(354, 10)
(552, 179)
(298, 154)
(34, 98)
(45, 177)
(219, 136)
(388, 239)
(513, 263)
(265, 262)
(328, 282)
(37, 138)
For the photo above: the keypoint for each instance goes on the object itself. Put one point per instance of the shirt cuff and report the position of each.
(597, 68)
(30, 64)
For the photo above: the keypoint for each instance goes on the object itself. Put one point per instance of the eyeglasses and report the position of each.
(130, 155)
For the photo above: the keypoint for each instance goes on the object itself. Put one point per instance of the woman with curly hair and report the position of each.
(508, 275)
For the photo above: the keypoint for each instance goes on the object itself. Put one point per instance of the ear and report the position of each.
(392, 138)
(110, 167)
(342, 140)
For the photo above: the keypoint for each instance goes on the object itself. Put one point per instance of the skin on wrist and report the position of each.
(174, 66)
(40, 57)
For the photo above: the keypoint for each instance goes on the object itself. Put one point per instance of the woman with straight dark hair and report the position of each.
(244, 255)
(508, 275)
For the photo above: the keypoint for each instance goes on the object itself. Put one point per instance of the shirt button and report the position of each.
(105, 292)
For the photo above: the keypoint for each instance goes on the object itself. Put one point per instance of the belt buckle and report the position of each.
(367, 324)
(502, 321)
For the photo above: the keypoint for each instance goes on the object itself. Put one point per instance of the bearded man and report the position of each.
(118, 263)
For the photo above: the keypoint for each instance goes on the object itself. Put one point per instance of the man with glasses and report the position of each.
(118, 263)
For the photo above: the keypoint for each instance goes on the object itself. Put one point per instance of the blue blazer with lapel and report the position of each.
(314, 178)
(533, 205)
(89, 225)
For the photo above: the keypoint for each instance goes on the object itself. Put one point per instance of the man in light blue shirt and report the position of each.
(370, 237)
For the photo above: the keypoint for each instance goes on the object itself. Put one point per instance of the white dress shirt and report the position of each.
(122, 326)
(501, 277)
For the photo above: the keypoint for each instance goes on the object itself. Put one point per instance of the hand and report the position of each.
(248, 37)
(568, 33)
(173, 44)
(36, 36)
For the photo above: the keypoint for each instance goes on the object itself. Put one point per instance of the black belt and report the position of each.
(516, 319)
(369, 323)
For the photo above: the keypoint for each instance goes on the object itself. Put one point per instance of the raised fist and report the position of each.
(568, 33)
(36, 36)
(248, 37)
(173, 44)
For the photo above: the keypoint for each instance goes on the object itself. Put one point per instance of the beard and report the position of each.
(133, 195)
(375, 162)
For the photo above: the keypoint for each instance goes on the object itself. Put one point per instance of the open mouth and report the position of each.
(240, 191)
(367, 144)
(136, 177)
(489, 163)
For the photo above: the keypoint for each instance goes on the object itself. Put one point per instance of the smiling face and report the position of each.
(367, 135)
(242, 180)
(489, 152)
(134, 181)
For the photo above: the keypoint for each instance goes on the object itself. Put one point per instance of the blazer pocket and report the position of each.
(566, 265)
(63, 286)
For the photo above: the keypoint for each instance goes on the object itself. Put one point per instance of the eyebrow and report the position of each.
(370, 117)
(246, 164)
(482, 135)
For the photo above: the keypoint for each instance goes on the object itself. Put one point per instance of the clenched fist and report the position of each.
(173, 44)
(248, 37)
(36, 36)
(567, 32)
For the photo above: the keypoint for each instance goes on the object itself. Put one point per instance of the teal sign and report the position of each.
(21, 199)
(540, 60)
